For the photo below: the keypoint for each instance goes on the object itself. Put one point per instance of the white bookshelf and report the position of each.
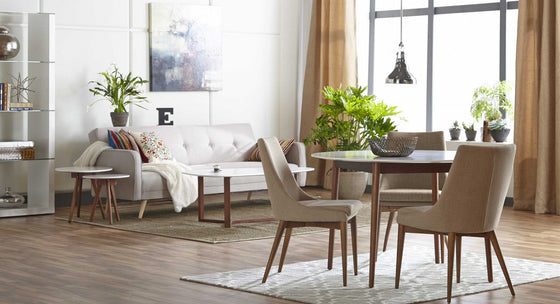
(33, 178)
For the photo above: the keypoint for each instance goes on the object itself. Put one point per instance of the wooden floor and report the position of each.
(43, 260)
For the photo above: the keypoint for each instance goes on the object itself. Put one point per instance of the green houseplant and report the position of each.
(455, 131)
(470, 132)
(120, 91)
(349, 119)
(346, 122)
(490, 103)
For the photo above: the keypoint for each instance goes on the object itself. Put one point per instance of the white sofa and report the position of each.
(229, 145)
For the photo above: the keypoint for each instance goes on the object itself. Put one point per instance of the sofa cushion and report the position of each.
(285, 144)
(152, 146)
(123, 140)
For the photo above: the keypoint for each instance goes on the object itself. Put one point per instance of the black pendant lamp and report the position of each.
(400, 75)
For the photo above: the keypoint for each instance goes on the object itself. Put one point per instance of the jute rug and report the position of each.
(160, 219)
(421, 279)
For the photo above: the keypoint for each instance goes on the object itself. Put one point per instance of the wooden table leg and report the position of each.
(374, 232)
(435, 194)
(113, 184)
(96, 200)
(200, 198)
(108, 202)
(227, 202)
(79, 194)
(73, 204)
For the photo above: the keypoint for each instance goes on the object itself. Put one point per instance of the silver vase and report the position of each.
(9, 45)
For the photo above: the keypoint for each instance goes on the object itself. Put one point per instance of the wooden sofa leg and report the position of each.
(142, 208)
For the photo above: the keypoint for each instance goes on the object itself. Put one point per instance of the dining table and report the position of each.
(419, 161)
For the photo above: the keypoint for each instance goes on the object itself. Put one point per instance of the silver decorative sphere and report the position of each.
(9, 45)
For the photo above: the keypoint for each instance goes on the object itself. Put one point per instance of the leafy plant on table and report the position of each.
(349, 119)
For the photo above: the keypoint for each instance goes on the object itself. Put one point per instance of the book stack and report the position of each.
(5, 100)
(17, 150)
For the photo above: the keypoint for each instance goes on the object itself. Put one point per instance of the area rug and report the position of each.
(160, 219)
(421, 279)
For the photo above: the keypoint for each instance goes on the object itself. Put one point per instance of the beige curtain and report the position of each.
(331, 60)
(537, 107)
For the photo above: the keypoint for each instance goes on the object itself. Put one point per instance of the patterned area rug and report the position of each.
(421, 279)
(160, 219)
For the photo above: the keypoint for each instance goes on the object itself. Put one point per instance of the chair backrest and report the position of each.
(426, 141)
(473, 196)
(283, 190)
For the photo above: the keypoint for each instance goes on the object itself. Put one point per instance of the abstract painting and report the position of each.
(185, 47)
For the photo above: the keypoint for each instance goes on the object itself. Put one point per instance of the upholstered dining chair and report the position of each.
(411, 189)
(295, 208)
(471, 204)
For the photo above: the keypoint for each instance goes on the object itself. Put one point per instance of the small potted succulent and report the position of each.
(120, 91)
(455, 131)
(498, 129)
(470, 132)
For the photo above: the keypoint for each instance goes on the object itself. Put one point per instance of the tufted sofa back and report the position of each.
(197, 144)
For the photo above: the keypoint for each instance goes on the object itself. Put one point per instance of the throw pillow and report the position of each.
(152, 146)
(285, 144)
(123, 140)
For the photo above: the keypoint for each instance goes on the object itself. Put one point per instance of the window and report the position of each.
(460, 52)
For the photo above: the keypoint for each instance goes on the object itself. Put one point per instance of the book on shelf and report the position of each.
(21, 106)
(17, 144)
(5, 95)
(10, 150)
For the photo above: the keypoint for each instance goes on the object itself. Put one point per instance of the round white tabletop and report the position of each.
(84, 170)
(107, 176)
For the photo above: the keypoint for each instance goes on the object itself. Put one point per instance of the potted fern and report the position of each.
(120, 91)
(346, 122)
(491, 103)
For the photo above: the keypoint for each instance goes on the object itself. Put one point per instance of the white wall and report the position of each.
(260, 43)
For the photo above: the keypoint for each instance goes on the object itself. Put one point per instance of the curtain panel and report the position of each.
(331, 60)
(537, 108)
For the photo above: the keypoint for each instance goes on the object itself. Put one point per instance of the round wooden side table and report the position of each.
(78, 173)
(97, 182)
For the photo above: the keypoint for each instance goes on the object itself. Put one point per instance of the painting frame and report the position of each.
(185, 47)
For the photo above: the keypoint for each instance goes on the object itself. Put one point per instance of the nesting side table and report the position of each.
(97, 182)
(78, 173)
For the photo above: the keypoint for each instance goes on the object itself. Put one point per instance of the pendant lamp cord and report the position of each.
(401, 44)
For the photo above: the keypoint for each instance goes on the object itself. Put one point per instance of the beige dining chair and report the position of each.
(295, 208)
(471, 204)
(411, 189)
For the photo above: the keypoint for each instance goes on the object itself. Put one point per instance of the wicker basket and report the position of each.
(393, 146)
(27, 153)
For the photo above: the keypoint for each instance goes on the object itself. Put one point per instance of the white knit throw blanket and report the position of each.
(183, 188)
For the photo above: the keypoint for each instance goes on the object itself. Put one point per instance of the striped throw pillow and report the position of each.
(285, 144)
(123, 140)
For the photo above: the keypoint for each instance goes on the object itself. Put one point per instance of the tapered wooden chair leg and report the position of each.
(284, 248)
(500, 257)
(436, 248)
(354, 232)
(343, 246)
(400, 247)
(488, 248)
(279, 232)
(331, 248)
(450, 253)
(388, 230)
(458, 243)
